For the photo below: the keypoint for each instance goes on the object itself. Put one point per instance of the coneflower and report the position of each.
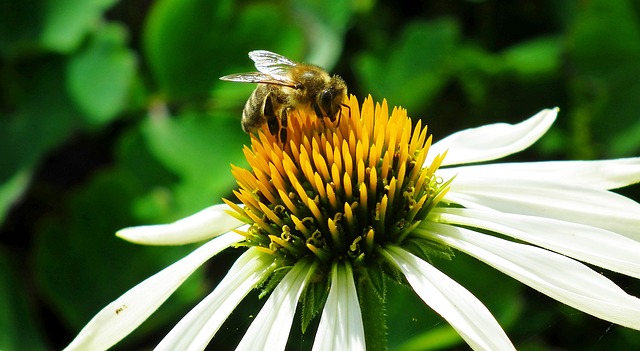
(339, 211)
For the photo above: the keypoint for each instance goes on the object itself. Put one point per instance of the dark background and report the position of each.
(112, 115)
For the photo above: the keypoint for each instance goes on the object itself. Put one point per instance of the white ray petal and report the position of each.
(197, 328)
(341, 325)
(555, 275)
(466, 314)
(601, 174)
(586, 243)
(126, 313)
(492, 141)
(270, 330)
(566, 202)
(206, 224)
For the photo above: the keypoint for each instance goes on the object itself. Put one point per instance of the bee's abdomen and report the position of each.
(252, 114)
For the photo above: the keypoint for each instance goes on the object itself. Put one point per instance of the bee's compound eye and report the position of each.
(326, 99)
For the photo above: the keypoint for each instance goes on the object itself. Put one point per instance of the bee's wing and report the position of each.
(272, 64)
(256, 77)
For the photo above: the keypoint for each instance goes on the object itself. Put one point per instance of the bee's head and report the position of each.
(330, 99)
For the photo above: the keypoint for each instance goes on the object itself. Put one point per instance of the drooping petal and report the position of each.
(466, 314)
(555, 275)
(126, 313)
(600, 174)
(197, 328)
(586, 243)
(492, 141)
(270, 330)
(566, 202)
(206, 224)
(341, 325)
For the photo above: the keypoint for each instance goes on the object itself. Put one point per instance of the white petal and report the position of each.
(566, 202)
(466, 314)
(555, 275)
(586, 243)
(601, 174)
(198, 327)
(341, 325)
(127, 312)
(270, 330)
(492, 141)
(203, 225)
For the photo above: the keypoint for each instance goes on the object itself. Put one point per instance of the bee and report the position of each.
(285, 86)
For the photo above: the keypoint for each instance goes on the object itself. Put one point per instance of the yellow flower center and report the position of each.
(337, 191)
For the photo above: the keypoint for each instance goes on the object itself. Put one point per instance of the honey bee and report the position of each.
(285, 86)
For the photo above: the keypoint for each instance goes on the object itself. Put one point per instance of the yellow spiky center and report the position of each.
(337, 191)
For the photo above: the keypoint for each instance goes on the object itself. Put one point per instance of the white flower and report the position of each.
(559, 213)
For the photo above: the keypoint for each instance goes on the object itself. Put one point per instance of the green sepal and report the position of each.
(312, 301)
(375, 276)
(371, 286)
(427, 249)
(275, 279)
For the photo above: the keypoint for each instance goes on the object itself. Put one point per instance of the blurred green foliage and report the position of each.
(112, 115)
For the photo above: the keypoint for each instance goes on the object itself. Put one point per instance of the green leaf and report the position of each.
(11, 190)
(438, 338)
(605, 37)
(613, 125)
(81, 265)
(474, 68)
(66, 22)
(20, 26)
(42, 117)
(100, 77)
(604, 48)
(157, 204)
(413, 325)
(198, 149)
(325, 25)
(412, 72)
(181, 47)
(627, 142)
(534, 59)
(18, 329)
(191, 43)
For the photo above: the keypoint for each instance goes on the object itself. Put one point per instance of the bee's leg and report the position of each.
(283, 125)
(270, 115)
(340, 113)
(318, 112)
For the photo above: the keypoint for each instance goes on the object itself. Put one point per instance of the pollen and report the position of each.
(337, 191)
